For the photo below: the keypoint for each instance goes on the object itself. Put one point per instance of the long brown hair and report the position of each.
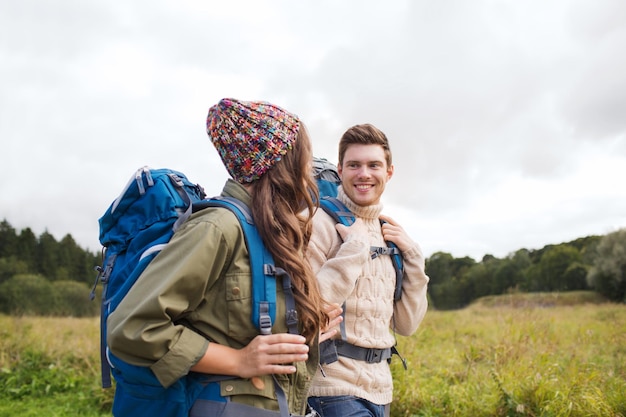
(278, 200)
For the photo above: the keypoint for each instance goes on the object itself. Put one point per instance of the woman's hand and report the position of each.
(335, 318)
(264, 355)
(272, 354)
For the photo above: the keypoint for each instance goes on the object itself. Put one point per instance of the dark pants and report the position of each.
(347, 406)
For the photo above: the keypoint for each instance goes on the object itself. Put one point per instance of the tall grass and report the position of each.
(50, 366)
(482, 361)
(561, 361)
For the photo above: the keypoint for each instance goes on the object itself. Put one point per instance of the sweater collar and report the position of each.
(365, 212)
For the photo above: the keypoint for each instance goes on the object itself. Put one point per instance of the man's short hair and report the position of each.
(364, 134)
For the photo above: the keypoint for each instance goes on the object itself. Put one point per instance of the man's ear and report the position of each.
(389, 172)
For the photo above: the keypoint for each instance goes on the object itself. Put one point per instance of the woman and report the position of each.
(189, 312)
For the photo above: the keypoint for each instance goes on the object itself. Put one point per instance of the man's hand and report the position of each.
(335, 318)
(357, 228)
(394, 233)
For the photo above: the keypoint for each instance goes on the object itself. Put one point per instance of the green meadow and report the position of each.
(513, 355)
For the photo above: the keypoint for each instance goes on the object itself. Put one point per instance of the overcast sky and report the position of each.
(507, 118)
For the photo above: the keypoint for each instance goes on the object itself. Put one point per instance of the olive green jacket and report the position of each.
(198, 291)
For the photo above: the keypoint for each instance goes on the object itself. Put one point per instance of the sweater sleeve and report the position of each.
(337, 264)
(410, 310)
(144, 328)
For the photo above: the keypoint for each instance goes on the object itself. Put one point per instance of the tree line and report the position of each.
(42, 276)
(596, 263)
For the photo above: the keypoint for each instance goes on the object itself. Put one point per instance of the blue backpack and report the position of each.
(326, 176)
(134, 229)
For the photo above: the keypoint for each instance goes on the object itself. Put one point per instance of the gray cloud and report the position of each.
(493, 109)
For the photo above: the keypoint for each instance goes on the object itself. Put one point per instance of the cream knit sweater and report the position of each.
(347, 274)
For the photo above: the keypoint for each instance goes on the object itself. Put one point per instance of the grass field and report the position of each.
(509, 356)
(537, 355)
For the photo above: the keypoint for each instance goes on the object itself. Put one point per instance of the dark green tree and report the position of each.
(448, 295)
(8, 240)
(533, 279)
(550, 273)
(461, 265)
(478, 281)
(72, 258)
(586, 246)
(47, 256)
(509, 273)
(608, 273)
(575, 276)
(439, 268)
(27, 248)
(449, 288)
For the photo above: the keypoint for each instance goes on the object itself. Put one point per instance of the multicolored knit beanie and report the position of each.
(250, 136)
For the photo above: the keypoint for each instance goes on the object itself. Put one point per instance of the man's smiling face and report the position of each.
(364, 173)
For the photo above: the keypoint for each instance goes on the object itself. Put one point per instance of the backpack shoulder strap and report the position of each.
(398, 265)
(264, 271)
(337, 210)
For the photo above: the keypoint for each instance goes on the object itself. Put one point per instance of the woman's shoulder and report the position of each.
(218, 219)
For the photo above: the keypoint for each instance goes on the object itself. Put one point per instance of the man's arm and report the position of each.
(337, 263)
(410, 310)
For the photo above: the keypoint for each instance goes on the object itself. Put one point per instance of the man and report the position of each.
(353, 273)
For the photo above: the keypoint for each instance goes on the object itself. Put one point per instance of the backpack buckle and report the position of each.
(373, 356)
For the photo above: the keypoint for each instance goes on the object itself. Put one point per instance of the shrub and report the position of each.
(26, 294)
